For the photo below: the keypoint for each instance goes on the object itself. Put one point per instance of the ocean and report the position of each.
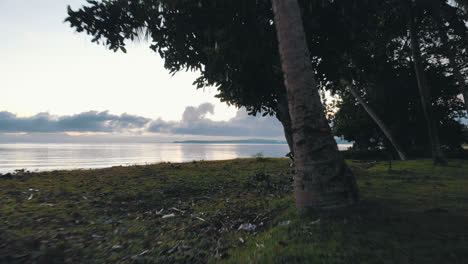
(60, 156)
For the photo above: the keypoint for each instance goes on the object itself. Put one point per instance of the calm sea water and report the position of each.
(40, 157)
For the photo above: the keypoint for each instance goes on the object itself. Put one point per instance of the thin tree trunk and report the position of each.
(377, 120)
(282, 114)
(322, 179)
(424, 93)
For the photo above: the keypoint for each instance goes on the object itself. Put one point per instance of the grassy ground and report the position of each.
(412, 212)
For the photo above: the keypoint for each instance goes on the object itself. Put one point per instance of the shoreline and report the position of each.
(43, 157)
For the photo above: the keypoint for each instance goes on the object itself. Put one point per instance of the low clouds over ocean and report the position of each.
(193, 122)
(91, 121)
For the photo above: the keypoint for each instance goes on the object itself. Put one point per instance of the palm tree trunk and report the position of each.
(424, 93)
(282, 114)
(322, 179)
(377, 120)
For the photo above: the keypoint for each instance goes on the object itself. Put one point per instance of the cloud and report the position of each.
(194, 122)
(91, 121)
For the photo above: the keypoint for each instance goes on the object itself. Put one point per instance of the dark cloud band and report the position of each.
(194, 122)
(91, 121)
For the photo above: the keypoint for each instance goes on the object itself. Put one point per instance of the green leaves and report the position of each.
(123, 49)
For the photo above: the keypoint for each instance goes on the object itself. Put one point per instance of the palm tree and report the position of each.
(424, 91)
(322, 179)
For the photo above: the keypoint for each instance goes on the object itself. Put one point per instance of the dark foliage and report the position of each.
(233, 45)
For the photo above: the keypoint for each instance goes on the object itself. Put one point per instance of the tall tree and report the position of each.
(387, 79)
(322, 179)
(233, 44)
(424, 91)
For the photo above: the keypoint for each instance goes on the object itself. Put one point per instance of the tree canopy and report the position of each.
(233, 45)
(390, 84)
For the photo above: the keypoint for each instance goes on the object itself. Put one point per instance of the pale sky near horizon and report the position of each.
(47, 67)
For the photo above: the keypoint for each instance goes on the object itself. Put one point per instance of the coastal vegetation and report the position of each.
(398, 69)
(233, 211)
(233, 46)
(398, 65)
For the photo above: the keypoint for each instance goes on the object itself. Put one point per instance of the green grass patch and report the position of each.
(411, 212)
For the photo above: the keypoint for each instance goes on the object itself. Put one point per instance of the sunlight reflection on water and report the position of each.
(72, 156)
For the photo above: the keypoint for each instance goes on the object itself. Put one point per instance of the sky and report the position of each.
(54, 80)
